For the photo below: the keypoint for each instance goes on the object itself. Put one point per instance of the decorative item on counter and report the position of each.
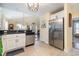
(28, 27)
(11, 26)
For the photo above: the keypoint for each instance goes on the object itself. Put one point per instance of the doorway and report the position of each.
(36, 30)
(75, 33)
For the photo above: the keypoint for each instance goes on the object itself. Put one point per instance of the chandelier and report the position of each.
(33, 6)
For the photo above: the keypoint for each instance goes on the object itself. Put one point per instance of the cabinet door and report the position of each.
(8, 43)
(4, 42)
(51, 38)
(11, 44)
(20, 41)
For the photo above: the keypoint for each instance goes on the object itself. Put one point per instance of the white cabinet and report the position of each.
(13, 41)
(10, 44)
(20, 40)
(59, 15)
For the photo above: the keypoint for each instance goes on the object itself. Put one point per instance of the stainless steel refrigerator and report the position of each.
(56, 33)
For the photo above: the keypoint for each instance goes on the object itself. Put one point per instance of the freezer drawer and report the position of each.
(58, 39)
(51, 40)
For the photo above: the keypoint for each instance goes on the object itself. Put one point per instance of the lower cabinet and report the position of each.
(30, 39)
(10, 44)
(13, 41)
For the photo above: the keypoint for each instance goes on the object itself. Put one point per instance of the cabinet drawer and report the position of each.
(20, 35)
(13, 36)
(9, 36)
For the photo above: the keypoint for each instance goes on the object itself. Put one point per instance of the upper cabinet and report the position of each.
(58, 15)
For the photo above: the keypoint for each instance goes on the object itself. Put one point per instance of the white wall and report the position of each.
(44, 32)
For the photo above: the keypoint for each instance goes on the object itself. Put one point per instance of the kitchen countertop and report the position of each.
(5, 32)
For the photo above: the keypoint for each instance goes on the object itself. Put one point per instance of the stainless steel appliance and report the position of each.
(56, 33)
(30, 38)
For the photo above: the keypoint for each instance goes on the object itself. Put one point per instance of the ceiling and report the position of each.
(75, 7)
(43, 8)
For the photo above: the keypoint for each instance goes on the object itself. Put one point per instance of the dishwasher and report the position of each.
(30, 39)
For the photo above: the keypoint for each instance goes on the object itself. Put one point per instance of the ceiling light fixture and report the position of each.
(33, 6)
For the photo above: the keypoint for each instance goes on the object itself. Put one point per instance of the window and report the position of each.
(76, 27)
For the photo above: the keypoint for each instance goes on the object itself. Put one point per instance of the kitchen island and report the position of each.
(16, 39)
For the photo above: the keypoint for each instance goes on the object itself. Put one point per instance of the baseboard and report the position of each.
(68, 50)
(29, 45)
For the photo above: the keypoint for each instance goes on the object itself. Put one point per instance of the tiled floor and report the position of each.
(42, 49)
